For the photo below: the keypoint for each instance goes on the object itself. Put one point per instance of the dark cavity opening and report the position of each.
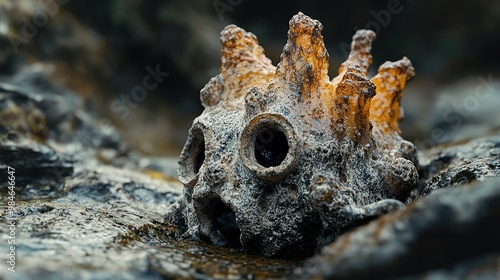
(224, 222)
(200, 155)
(271, 147)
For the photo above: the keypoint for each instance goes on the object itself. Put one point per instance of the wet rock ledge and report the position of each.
(87, 207)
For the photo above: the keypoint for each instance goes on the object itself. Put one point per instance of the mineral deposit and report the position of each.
(284, 159)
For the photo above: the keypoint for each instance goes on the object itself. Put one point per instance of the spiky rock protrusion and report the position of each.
(281, 155)
(361, 47)
(385, 109)
(352, 103)
(244, 65)
(303, 66)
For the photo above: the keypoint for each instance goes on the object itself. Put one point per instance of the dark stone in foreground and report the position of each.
(460, 163)
(437, 231)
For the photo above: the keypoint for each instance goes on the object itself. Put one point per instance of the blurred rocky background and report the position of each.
(102, 49)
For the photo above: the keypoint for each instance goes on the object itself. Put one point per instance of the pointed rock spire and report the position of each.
(352, 105)
(361, 47)
(244, 64)
(385, 110)
(303, 66)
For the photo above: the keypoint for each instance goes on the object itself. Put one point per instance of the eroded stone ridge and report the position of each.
(284, 159)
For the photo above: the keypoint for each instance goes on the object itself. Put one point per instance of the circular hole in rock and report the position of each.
(271, 147)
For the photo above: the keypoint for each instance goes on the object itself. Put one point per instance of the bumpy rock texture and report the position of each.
(438, 231)
(282, 159)
(448, 231)
(89, 207)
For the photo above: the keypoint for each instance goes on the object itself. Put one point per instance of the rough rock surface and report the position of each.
(448, 231)
(87, 207)
(460, 163)
(447, 227)
(282, 159)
